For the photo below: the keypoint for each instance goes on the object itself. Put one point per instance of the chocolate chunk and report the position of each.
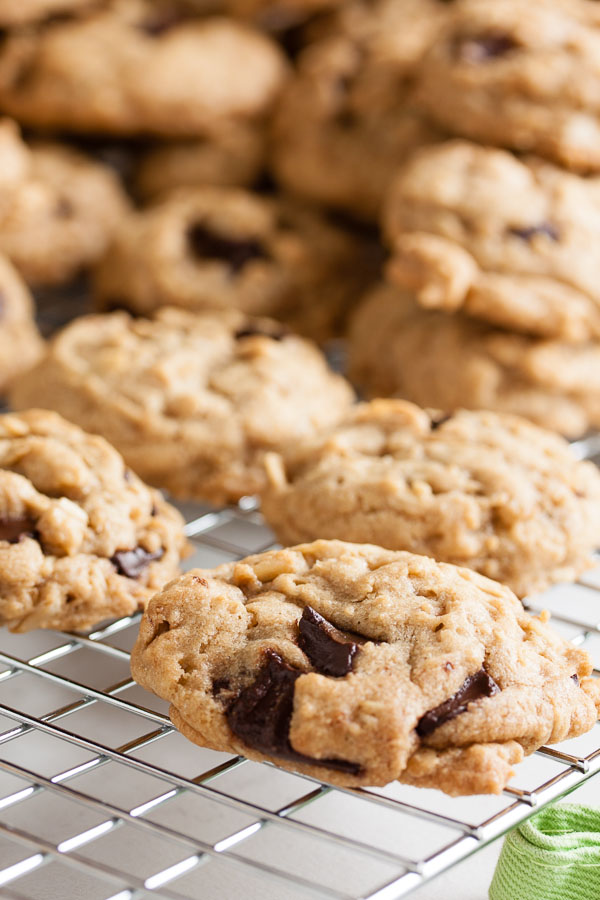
(435, 423)
(484, 47)
(14, 530)
(206, 245)
(575, 678)
(329, 650)
(529, 232)
(162, 21)
(220, 684)
(276, 333)
(473, 688)
(132, 563)
(262, 713)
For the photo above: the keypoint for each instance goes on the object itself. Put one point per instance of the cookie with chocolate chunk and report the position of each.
(82, 539)
(359, 665)
(479, 489)
(514, 242)
(135, 68)
(212, 247)
(523, 76)
(399, 349)
(192, 401)
(20, 342)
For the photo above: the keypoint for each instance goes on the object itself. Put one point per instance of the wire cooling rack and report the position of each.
(100, 798)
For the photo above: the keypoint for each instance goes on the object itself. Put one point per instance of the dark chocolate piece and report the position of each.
(132, 563)
(435, 423)
(15, 529)
(330, 651)
(485, 46)
(575, 678)
(529, 232)
(220, 684)
(475, 687)
(206, 245)
(276, 333)
(262, 713)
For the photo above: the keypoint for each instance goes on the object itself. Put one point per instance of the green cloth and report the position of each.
(555, 855)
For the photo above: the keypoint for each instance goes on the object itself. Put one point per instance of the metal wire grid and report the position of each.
(101, 798)
(101, 792)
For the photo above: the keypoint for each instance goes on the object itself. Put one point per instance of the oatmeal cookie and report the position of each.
(20, 342)
(192, 401)
(359, 665)
(82, 539)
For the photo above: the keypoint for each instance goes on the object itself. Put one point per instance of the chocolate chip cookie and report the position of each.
(448, 362)
(359, 665)
(20, 342)
(479, 489)
(136, 68)
(192, 401)
(224, 247)
(343, 124)
(82, 539)
(519, 76)
(58, 207)
(513, 242)
(234, 156)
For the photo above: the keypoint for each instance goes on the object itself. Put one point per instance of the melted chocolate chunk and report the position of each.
(132, 563)
(220, 684)
(14, 530)
(473, 688)
(527, 233)
(484, 47)
(276, 334)
(330, 651)
(206, 245)
(435, 423)
(262, 713)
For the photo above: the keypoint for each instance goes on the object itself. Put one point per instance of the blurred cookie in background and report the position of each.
(20, 342)
(209, 247)
(16, 13)
(192, 400)
(449, 362)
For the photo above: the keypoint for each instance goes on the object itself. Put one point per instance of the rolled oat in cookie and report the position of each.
(82, 539)
(193, 401)
(359, 665)
(512, 241)
(399, 349)
(485, 490)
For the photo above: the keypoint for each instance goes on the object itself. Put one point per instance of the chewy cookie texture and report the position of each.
(448, 362)
(192, 401)
(82, 539)
(360, 665)
(511, 241)
(479, 489)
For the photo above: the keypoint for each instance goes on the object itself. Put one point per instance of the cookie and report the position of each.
(448, 362)
(343, 125)
(192, 401)
(359, 665)
(58, 207)
(15, 13)
(228, 248)
(519, 77)
(137, 68)
(82, 539)
(20, 342)
(234, 157)
(479, 489)
(514, 242)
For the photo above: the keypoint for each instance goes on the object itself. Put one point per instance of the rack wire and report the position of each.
(101, 798)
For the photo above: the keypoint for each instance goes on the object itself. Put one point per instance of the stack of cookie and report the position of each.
(492, 298)
(219, 177)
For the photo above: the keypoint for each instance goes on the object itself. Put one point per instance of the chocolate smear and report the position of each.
(527, 233)
(132, 563)
(330, 651)
(14, 530)
(262, 713)
(475, 687)
(206, 245)
(436, 422)
(485, 47)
